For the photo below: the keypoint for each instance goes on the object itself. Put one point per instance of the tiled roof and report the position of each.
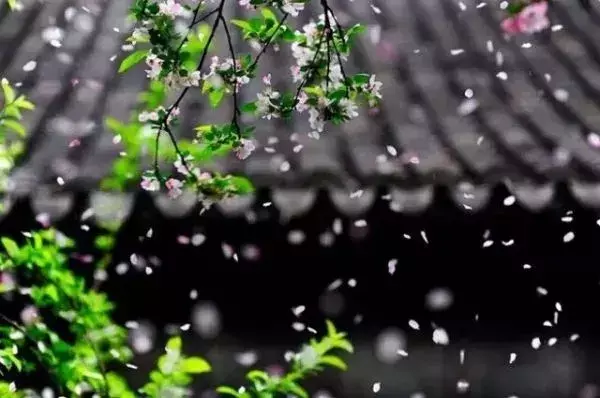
(289, 203)
(462, 105)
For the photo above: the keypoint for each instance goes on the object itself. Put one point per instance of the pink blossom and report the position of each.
(7, 282)
(74, 143)
(155, 64)
(173, 114)
(301, 106)
(29, 315)
(296, 73)
(534, 18)
(510, 26)
(204, 176)
(150, 183)
(246, 4)
(292, 7)
(146, 116)
(84, 258)
(174, 187)
(171, 8)
(531, 19)
(182, 164)
(245, 148)
(43, 219)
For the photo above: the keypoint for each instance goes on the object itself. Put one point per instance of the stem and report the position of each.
(164, 126)
(330, 38)
(264, 48)
(308, 72)
(236, 111)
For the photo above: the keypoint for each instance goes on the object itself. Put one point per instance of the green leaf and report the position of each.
(268, 14)
(333, 361)
(515, 7)
(204, 128)
(246, 60)
(23, 103)
(195, 365)
(227, 391)
(288, 35)
(11, 247)
(295, 389)
(215, 97)
(116, 384)
(338, 94)
(242, 24)
(206, 87)
(15, 126)
(361, 78)
(104, 242)
(257, 375)
(256, 24)
(174, 344)
(249, 107)
(7, 90)
(132, 59)
(331, 331)
(344, 345)
(314, 90)
(52, 292)
(242, 184)
(113, 124)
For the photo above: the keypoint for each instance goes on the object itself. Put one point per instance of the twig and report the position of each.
(236, 111)
(164, 124)
(193, 23)
(263, 50)
(308, 72)
(330, 37)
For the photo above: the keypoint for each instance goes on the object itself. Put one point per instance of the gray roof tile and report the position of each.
(432, 57)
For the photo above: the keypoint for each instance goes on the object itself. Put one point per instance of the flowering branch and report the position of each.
(236, 110)
(325, 90)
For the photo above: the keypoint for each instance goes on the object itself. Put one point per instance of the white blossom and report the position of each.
(171, 8)
(245, 149)
(292, 7)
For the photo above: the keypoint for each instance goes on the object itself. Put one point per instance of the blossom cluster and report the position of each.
(324, 91)
(174, 186)
(527, 18)
(292, 7)
(227, 71)
(157, 115)
(173, 79)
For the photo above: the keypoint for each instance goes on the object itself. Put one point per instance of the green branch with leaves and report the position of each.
(83, 357)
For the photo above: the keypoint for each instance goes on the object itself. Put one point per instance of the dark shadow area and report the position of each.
(240, 280)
